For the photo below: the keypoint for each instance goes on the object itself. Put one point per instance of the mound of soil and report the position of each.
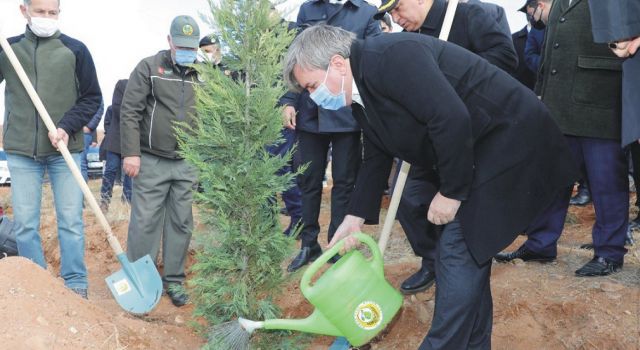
(41, 313)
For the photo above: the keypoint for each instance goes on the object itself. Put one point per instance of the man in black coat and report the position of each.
(111, 144)
(441, 107)
(477, 31)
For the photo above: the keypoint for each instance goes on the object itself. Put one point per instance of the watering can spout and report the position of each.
(315, 323)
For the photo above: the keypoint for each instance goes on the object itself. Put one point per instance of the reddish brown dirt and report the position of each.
(535, 306)
(40, 313)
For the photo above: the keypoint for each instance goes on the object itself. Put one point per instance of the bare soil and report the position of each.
(536, 306)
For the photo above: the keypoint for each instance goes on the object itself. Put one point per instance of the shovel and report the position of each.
(137, 287)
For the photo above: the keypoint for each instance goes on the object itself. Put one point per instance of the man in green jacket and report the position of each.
(64, 77)
(160, 93)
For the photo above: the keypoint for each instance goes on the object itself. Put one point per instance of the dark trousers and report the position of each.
(292, 197)
(346, 158)
(463, 315)
(606, 168)
(113, 171)
(412, 214)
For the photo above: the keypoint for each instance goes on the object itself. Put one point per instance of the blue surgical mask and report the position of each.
(185, 57)
(323, 97)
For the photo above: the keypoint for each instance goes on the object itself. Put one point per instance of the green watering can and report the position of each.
(352, 298)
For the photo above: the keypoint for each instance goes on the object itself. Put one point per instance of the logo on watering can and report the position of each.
(368, 315)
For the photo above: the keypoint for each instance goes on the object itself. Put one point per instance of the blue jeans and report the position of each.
(84, 167)
(27, 176)
(112, 171)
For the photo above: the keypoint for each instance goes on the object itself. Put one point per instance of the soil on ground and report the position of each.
(536, 306)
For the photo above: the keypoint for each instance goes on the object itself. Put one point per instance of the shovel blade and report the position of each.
(137, 287)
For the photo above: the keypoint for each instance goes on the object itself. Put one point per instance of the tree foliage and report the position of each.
(240, 245)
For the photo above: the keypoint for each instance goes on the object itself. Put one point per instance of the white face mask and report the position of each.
(43, 27)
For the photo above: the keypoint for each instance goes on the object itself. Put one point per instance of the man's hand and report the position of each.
(289, 117)
(634, 45)
(442, 209)
(626, 48)
(349, 225)
(86, 130)
(131, 166)
(58, 135)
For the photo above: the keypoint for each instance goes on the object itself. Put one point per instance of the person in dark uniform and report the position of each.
(475, 30)
(587, 110)
(616, 23)
(439, 106)
(319, 128)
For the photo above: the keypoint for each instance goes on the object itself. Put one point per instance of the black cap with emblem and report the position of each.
(385, 6)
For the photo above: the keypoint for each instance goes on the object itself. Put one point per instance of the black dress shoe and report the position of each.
(178, 296)
(306, 255)
(582, 198)
(599, 267)
(418, 282)
(523, 254)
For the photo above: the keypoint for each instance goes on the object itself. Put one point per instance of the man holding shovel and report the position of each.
(65, 79)
(439, 106)
(160, 93)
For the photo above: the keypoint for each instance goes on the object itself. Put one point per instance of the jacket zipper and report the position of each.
(182, 115)
(35, 70)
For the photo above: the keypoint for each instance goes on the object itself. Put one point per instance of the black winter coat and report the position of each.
(490, 141)
(112, 128)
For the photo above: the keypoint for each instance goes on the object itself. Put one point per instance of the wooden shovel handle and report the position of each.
(62, 147)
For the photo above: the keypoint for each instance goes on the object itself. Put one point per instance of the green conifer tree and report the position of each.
(241, 247)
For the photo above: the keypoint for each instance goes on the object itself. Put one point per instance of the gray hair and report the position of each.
(313, 49)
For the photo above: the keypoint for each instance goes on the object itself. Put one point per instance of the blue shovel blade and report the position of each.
(137, 287)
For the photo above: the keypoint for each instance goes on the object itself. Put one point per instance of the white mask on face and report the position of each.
(43, 27)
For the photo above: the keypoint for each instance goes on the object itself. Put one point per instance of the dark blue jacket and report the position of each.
(614, 20)
(533, 48)
(355, 16)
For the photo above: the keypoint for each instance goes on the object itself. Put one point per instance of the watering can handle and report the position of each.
(376, 261)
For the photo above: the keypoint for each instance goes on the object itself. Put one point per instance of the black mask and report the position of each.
(537, 24)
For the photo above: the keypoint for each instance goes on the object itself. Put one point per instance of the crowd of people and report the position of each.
(497, 127)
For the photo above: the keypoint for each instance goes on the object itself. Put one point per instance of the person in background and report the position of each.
(523, 74)
(537, 12)
(616, 23)
(474, 29)
(160, 92)
(319, 128)
(580, 82)
(385, 24)
(111, 145)
(68, 87)
(90, 139)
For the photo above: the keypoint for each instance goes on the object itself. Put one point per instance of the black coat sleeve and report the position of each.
(489, 41)
(414, 81)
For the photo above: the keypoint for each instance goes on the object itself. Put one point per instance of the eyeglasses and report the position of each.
(613, 45)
